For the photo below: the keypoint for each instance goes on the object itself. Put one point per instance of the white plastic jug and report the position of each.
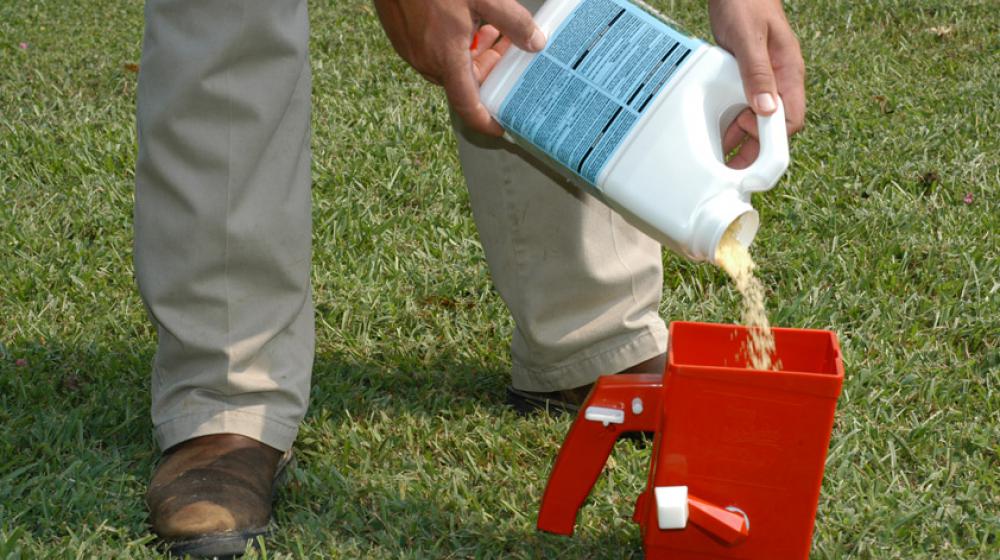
(624, 105)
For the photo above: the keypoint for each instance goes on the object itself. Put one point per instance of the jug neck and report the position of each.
(714, 217)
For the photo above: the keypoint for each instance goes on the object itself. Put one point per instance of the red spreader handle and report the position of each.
(617, 404)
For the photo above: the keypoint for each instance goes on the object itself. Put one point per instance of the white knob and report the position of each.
(637, 406)
(671, 506)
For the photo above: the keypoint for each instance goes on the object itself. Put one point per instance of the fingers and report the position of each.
(484, 39)
(442, 39)
(514, 21)
(789, 72)
(462, 90)
(483, 63)
(769, 58)
(745, 124)
(793, 95)
(742, 134)
(747, 154)
(507, 18)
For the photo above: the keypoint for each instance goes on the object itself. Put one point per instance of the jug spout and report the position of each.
(715, 216)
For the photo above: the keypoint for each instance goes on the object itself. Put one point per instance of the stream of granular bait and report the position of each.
(734, 258)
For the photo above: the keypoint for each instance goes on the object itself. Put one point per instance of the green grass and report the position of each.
(408, 450)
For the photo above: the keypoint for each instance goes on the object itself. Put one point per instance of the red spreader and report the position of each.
(738, 454)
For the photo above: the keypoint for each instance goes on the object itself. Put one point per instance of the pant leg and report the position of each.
(582, 284)
(222, 216)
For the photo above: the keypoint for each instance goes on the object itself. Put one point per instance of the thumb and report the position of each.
(757, 73)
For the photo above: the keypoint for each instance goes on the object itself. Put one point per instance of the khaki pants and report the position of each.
(222, 233)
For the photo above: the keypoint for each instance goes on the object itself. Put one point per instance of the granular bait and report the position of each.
(735, 259)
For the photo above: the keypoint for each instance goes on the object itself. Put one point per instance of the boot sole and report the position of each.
(222, 545)
(526, 403)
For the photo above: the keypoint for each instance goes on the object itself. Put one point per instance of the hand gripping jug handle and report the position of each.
(712, 97)
(772, 160)
(671, 178)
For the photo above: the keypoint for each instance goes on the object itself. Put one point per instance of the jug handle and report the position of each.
(616, 405)
(772, 161)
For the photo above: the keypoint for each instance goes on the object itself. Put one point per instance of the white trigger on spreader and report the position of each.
(605, 415)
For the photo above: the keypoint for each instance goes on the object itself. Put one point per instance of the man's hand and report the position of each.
(758, 35)
(443, 40)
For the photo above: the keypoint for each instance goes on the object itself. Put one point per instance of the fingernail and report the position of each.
(537, 40)
(765, 102)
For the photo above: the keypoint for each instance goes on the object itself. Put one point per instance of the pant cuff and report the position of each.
(618, 354)
(268, 431)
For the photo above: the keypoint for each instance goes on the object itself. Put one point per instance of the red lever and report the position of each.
(731, 527)
(616, 405)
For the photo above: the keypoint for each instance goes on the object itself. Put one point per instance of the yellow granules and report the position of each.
(734, 258)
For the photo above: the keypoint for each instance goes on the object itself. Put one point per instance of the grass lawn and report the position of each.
(884, 230)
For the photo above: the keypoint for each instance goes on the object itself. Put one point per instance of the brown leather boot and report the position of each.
(211, 496)
(570, 400)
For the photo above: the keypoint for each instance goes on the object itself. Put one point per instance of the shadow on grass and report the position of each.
(76, 451)
(345, 386)
(376, 522)
(471, 491)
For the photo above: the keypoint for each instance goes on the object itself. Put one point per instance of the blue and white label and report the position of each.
(582, 95)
